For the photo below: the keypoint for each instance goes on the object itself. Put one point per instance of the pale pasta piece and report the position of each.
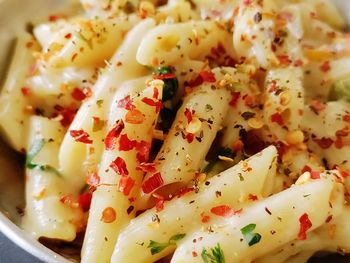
(190, 137)
(168, 44)
(184, 213)
(243, 113)
(215, 8)
(119, 176)
(331, 237)
(46, 215)
(254, 32)
(13, 114)
(122, 67)
(86, 42)
(264, 226)
(327, 131)
(175, 11)
(284, 101)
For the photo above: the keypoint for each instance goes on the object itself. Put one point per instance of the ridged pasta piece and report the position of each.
(190, 137)
(265, 225)
(284, 102)
(13, 116)
(119, 174)
(184, 213)
(85, 42)
(122, 67)
(168, 44)
(46, 215)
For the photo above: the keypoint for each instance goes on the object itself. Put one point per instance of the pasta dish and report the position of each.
(185, 131)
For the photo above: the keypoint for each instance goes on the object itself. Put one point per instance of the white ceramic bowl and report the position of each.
(13, 17)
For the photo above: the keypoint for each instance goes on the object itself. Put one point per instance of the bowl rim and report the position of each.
(27, 242)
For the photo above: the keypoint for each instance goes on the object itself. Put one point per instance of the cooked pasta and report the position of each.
(185, 131)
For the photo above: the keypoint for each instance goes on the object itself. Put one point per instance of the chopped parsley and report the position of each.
(250, 237)
(35, 148)
(157, 247)
(213, 255)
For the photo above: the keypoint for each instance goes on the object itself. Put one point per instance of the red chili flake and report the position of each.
(305, 224)
(81, 94)
(126, 103)
(285, 16)
(188, 115)
(273, 86)
(109, 215)
(158, 104)
(159, 203)
(284, 60)
(277, 117)
(125, 185)
(84, 201)
(194, 254)
(125, 144)
(134, 117)
(252, 197)
(54, 18)
(329, 219)
(324, 143)
(155, 93)
(152, 183)
(68, 36)
(306, 168)
(67, 114)
(343, 173)
(80, 136)
(343, 132)
(207, 76)
(113, 134)
(338, 143)
(317, 106)
(247, 2)
(235, 98)
(203, 76)
(248, 100)
(237, 146)
(315, 175)
(346, 117)
(93, 179)
(190, 137)
(223, 210)
(298, 63)
(143, 148)
(25, 91)
(205, 218)
(119, 166)
(325, 66)
(166, 76)
(147, 167)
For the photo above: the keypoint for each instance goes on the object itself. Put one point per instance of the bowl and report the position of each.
(13, 20)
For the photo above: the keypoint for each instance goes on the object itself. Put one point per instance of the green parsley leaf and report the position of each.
(250, 237)
(50, 169)
(225, 151)
(157, 247)
(99, 103)
(35, 148)
(170, 85)
(176, 237)
(163, 70)
(215, 255)
(340, 90)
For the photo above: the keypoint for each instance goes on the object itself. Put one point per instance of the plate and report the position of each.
(13, 20)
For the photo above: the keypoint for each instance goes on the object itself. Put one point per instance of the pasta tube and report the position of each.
(185, 213)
